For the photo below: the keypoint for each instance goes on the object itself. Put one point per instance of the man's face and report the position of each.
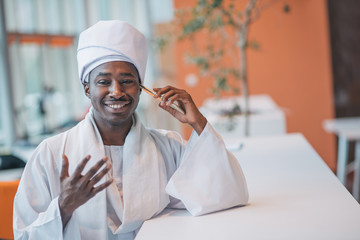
(114, 92)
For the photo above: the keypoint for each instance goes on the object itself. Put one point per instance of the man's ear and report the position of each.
(87, 89)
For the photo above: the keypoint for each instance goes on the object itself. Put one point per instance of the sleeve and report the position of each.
(209, 177)
(36, 209)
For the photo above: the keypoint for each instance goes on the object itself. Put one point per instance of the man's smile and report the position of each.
(117, 105)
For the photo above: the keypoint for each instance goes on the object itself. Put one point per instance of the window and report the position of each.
(47, 95)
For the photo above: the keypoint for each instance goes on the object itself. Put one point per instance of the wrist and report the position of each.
(65, 215)
(199, 125)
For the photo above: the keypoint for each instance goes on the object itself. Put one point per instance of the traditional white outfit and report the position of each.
(158, 168)
(154, 169)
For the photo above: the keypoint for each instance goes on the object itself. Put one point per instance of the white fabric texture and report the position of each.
(108, 41)
(200, 173)
(115, 154)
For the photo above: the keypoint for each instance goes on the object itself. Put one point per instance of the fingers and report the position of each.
(78, 189)
(101, 187)
(80, 168)
(161, 91)
(89, 179)
(176, 99)
(65, 168)
(170, 94)
(169, 109)
(167, 91)
(165, 97)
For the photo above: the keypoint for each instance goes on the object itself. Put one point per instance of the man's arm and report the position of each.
(209, 177)
(36, 212)
(39, 211)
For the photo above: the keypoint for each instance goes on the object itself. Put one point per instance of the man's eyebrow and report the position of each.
(103, 74)
(120, 75)
(126, 75)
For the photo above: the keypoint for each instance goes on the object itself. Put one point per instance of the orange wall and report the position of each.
(293, 66)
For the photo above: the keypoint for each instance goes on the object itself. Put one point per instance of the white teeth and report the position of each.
(116, 106)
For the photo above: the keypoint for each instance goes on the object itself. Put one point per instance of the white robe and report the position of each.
(159, 170)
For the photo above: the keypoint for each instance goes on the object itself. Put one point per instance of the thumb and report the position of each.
(65, 168)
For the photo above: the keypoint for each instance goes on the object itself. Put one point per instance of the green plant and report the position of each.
(223, 27)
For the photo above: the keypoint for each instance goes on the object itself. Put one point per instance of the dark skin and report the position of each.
(192, 115)
(114, 92)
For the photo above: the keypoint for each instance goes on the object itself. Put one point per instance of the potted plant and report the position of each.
(224, 28)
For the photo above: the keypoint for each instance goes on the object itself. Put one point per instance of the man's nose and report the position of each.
(116, 90)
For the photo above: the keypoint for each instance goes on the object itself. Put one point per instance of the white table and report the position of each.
(293, 195)
(267, 117)
(347, 130)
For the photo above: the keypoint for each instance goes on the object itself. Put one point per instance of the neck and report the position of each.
(114, 134)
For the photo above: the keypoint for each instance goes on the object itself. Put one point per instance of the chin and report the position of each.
(119, 120)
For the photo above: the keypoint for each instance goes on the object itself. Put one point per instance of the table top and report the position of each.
(257, 103)
(266, 117)
(348, 127)
(293, 195)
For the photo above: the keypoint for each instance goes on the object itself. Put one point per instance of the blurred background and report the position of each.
(302, 62)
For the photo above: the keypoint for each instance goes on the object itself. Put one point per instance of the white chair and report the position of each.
(347, 130)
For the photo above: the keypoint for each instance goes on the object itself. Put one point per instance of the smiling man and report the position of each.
(103, 178)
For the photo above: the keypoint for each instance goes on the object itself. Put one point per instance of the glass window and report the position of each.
(26, 16)
(46, 92)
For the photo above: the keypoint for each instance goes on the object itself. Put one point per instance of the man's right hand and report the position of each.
(77, 189)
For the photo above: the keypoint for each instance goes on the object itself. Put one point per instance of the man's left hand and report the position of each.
(192, 114)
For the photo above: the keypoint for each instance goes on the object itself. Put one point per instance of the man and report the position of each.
(104, 177)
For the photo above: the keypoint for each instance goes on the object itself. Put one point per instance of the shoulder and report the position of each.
(46, 155)
(166, 136)
(53, 141)
(58, 141)
(50, 150)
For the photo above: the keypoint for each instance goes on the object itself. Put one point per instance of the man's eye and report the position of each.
(103, 82)
(127, 81)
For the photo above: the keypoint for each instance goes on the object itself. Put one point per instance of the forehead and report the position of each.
(115, 68)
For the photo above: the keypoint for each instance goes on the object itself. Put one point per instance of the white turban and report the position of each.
(109, 41)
